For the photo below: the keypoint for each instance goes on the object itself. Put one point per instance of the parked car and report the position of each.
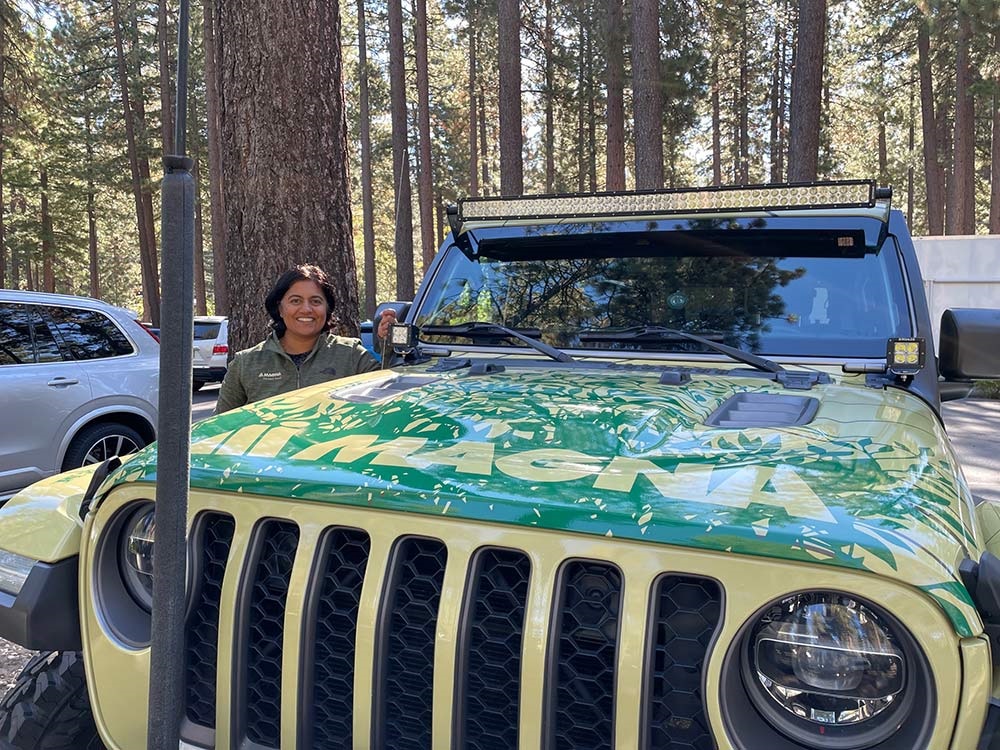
(651, 470)
(211, 350)
(78, 383)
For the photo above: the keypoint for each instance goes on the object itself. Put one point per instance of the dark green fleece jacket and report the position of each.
(266, 369)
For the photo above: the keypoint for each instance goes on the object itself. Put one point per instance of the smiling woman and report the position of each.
(300, 350)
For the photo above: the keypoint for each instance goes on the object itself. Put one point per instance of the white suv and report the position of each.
(211, 349)
(78, 383)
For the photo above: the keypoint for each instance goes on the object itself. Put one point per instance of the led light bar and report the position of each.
(838, 194)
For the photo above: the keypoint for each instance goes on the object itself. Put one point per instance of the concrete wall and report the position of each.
(959, 271)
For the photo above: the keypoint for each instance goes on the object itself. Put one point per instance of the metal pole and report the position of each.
(166, 668)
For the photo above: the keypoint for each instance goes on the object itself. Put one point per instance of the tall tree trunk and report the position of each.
(994, 219)
(216, 200)
(744, 102)
(48, 272)
(776, 83)
(400, 154)
(614, 51)
(509, 57)
(716, 124)
(807, 89)
(367, 207)
(910, 148)
(581, 97)
(141, 132)
(483, 145)
(473, 124)
(934, 175)
(591, 113)
(200, 293)
(284, 149)
(425, 181)
(150, 287)
(166, 93)
(549, 103)
(883, 144)
(95, 273)
(961, 213)
(647, 95)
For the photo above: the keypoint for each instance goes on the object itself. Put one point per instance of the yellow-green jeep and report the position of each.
(649, 470)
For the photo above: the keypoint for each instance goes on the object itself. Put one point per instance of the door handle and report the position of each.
(57, 382)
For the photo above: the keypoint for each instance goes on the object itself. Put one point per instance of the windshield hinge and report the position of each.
(800, 381)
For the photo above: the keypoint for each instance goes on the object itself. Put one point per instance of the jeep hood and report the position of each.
(869, 482)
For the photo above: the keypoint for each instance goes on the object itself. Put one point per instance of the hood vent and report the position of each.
(764, 410)
(365, 393)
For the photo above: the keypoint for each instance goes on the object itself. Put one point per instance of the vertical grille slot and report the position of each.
(328, 660)
(685, 614)
(214, 539)
(585, 649)
(407, 653)
(267, 591)
(490, 678)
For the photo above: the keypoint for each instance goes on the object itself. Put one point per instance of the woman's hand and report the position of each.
(385, 322)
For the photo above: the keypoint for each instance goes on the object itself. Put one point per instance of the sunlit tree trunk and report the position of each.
(509, 55)
(807, 89)
(614, 39)
(367, 209)
(647, 95)
(933, 174)
(961, 213)
(216, 199)
(283, 137)
(402, 189)
(425, 177)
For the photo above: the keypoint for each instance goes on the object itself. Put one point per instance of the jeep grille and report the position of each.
(490, 621)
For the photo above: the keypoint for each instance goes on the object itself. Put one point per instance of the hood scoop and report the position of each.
(365, 393)
(763, 410)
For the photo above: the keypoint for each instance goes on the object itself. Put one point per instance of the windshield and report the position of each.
(810, 306)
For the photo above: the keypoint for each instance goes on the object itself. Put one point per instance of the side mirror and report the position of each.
(401, 308)
(970, 344)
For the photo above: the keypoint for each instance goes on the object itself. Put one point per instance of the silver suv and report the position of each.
(211, 349)
(78, 383)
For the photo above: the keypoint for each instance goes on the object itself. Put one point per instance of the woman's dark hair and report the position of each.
(305, 272)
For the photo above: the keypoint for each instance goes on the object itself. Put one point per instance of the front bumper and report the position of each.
(45, 614)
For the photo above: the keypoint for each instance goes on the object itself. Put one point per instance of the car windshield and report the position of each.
(787, 305)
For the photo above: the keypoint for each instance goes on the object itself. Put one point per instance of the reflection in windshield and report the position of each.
(773, 305)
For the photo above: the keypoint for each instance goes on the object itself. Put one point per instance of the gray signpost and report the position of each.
(166, 684)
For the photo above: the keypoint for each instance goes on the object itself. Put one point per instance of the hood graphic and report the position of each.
(869, 483)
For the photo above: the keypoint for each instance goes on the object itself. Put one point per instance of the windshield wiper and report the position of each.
(660, 333)
(477, 330)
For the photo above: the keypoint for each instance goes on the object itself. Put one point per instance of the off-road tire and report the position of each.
(48, 708)
(90, 436)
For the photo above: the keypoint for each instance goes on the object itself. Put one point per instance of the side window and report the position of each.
(15, 336)
(24, 338)
(88, 334)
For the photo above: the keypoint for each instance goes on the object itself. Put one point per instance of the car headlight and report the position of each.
(824, 665)
(135, 555)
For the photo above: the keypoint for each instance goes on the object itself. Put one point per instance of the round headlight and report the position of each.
(824, 665)
(135, 555)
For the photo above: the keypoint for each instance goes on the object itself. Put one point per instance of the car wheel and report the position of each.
(48, 707)
(99, 442)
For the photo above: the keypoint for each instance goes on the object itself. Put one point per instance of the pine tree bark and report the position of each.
(647, 95)
(283, 137)
(548, 102)
(807, 88)
(994, 217)
(716, 124)
(934, 174)
(743, 113)
(166, 85)
(400, 155)
(200, 293)
(147, 254)
(48, 272)
(473, 112)
(94, 266)
(614, 178)
(509, 57)
(367, 207)
(961, 210)
(483, 145)
(216, 201)
(425, 181)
